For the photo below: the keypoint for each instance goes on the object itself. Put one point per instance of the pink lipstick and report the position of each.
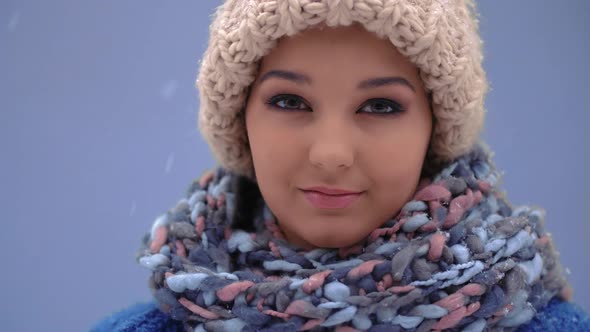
(330, 198)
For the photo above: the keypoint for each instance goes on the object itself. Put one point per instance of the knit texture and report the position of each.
(142, 317)
(456, 257)
(440, 37)
(558, 316)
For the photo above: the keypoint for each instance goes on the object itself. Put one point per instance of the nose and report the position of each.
(331, 148)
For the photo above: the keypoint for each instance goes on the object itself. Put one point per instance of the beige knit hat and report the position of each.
(440, 37)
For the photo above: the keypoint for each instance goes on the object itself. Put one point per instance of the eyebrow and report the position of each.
(286, 75)
(299, 78)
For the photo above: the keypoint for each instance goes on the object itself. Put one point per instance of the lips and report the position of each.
(330, 198)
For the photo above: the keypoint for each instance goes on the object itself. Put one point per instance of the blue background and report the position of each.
(98, 137)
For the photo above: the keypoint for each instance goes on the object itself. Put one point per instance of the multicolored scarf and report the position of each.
(456, 257)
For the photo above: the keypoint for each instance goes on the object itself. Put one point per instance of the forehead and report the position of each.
(352, 48)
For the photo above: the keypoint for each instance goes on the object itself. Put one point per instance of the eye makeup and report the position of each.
(384, 106)
(374, 106)
(287, 102)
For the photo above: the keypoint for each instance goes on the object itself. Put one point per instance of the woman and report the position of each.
(353, 193)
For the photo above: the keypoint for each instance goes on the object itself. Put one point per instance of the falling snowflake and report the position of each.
(169, 163)
(169, 89)
(14, 19)
(133, 207)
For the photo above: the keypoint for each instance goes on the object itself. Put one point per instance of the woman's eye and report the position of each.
(287, 102)
(381, 106)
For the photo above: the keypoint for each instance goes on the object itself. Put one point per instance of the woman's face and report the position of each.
(339, 124)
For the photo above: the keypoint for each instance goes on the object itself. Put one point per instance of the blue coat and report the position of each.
(146, 317)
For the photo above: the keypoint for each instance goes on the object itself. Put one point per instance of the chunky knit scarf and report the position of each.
(456, 257)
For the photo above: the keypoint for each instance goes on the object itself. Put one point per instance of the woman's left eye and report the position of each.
(381, 106)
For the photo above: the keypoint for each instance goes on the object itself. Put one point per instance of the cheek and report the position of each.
(398, 149)
(395, 164)
(276, 153)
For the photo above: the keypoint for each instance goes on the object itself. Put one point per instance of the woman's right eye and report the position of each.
(288, 102)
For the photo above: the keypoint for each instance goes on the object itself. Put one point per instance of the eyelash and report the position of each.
(272, 102)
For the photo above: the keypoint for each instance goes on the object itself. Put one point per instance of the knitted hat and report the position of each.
(440, 37)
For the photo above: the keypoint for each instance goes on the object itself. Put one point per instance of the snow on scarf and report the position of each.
(456, 257)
